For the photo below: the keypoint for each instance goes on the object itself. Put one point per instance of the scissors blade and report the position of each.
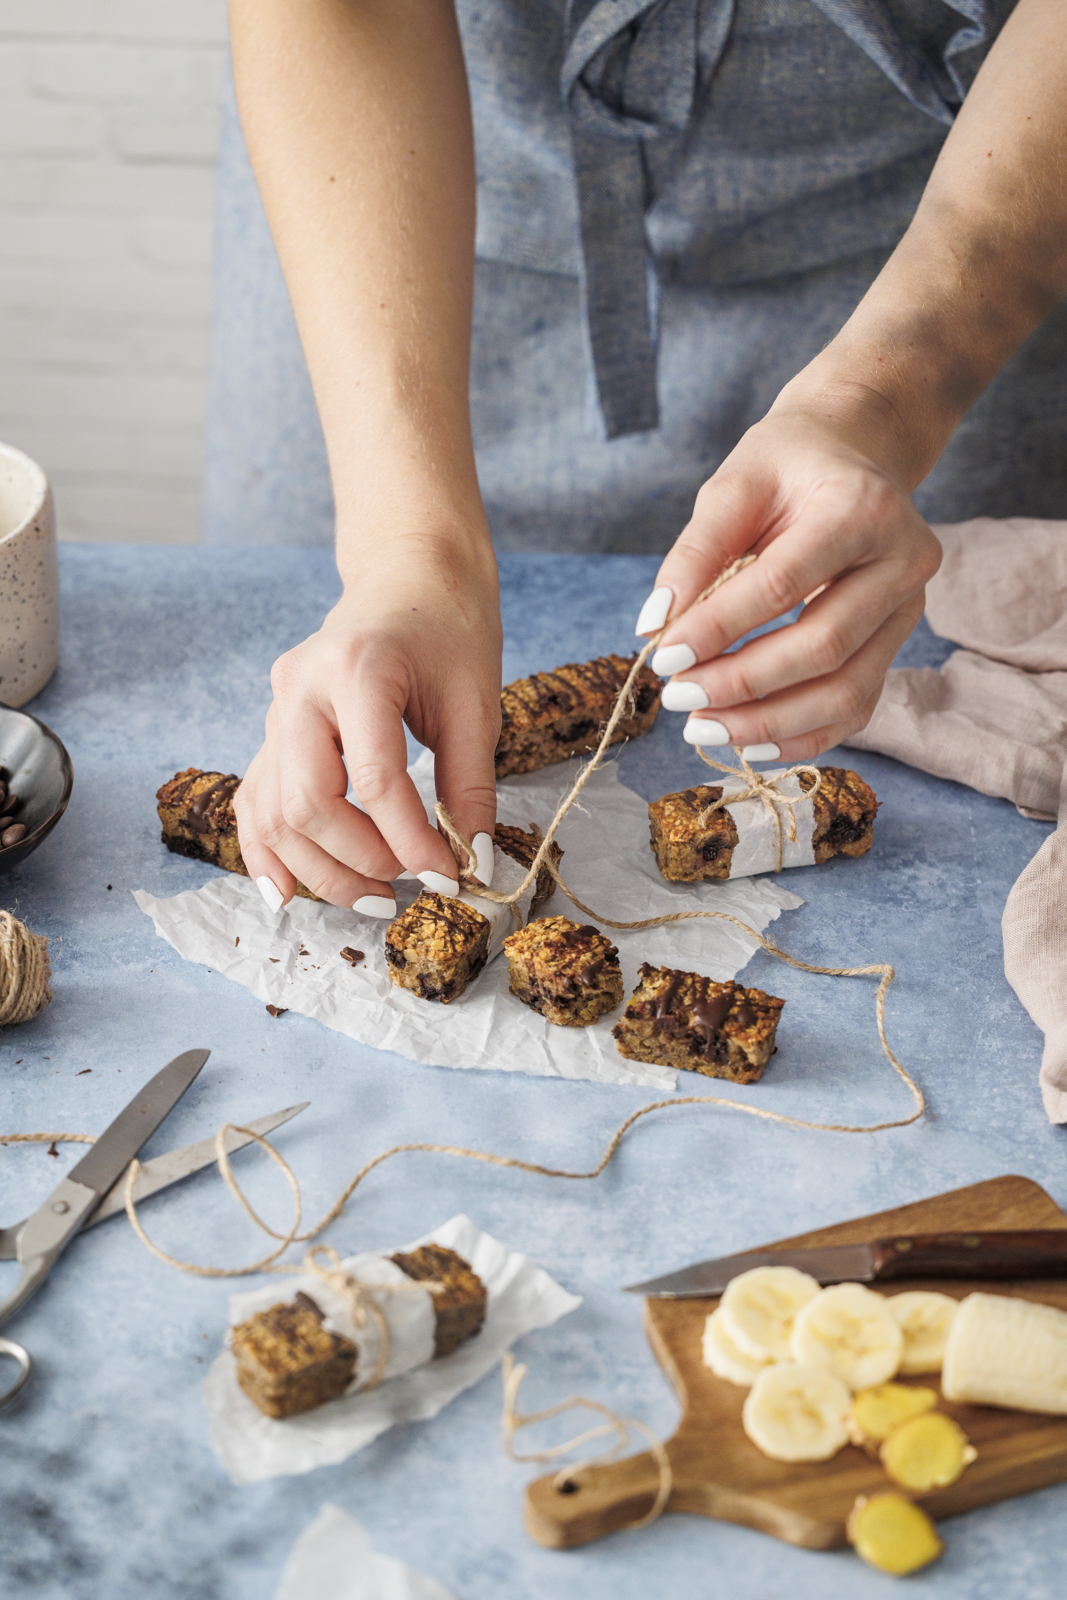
(177, 1164)
(120, 1142)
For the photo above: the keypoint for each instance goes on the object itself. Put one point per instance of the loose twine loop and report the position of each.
(364, 1303)
(565, 1480)
(25, 989)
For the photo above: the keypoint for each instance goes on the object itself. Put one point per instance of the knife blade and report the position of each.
(1030, 1253)
(161, 1172)
(121, 1140)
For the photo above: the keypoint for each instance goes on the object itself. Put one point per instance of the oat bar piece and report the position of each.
(688, 851)
(553, 715)
(569, 973)
(196, 810)
(681, 1019)
(459, 1304)
(288, 1362)
(845, 809)
(438, 946)
(522, 847)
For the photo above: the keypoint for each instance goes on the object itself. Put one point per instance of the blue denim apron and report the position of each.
(679, 203)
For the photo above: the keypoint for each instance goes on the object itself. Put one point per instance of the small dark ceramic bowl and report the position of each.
(35, 767)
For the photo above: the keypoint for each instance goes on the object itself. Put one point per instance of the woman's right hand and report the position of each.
(416, 640)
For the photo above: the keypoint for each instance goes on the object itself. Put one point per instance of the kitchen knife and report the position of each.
(1034, 1253)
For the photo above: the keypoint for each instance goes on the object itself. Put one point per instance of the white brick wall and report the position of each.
(108, 123)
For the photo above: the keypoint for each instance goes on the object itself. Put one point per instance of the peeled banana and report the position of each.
(796, 1412)
(848, 1330)
(759, 1307)
(925, 1318)
(1003, 1351)
(723, 1356)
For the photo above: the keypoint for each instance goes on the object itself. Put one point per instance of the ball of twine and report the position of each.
(24, 972)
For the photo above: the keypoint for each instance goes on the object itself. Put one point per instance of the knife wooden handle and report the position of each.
(1035, 1253)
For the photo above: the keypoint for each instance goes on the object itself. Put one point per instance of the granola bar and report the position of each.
(681, 1019)
(569, 973)
(460, 1302)
(552, 715)
(439, 945)
(688, 850)
(288, 1362)
(196, 810)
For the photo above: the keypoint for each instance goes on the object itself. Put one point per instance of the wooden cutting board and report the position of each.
(718, 1472)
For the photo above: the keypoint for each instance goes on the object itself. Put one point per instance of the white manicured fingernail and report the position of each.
(684, 697)
(673, 658)
(439, 883)
(761, 752)
(375, 905)
(704, 730)
(483, 858)
(653, 614)
(406, 874)
(270, 892)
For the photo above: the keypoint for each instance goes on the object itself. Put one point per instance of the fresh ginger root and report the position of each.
(928, 1452)
(876, 1412)
(891, 1533)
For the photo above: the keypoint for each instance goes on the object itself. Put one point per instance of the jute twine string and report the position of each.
(623, 699)
(758, 786)
(565, 1480)
(24, 972)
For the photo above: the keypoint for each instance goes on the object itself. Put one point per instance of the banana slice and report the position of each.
(925, 1318)
(849, 1331)
(723, 1356)
(759, 1307)
(796, 1412)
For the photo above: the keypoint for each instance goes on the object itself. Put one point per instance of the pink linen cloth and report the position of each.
(995, 717)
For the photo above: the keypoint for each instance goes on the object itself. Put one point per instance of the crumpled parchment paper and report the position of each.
(292, 959)
(333, 1559)
(251, 1447)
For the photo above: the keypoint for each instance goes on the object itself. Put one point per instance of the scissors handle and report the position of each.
(43, 1238)
(8, 1347)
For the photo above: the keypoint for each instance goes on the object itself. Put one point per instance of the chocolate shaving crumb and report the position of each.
(52, 1151)
(83, 1071)
(277, 1011)
(237, 941)
(352, 956)
(109, 886)
(303, 952)
(275, 959)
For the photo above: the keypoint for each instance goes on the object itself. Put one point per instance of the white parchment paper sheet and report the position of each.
(333, 1559)
(607, 862)
(250, 1446)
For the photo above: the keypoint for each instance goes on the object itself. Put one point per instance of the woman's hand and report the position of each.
(417, 640)
(832, 526)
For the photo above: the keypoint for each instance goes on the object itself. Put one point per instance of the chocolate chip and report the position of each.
(277, 1011)
(13, 835)
(83, 1071)
(353, 957)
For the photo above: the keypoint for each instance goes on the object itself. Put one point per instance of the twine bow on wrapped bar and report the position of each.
(765, 787)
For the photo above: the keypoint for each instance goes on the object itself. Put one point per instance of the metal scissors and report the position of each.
(93, 1189)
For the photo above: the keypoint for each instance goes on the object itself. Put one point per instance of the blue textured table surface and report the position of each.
(109, 1486)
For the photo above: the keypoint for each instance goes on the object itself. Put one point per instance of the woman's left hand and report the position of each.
(831, 527)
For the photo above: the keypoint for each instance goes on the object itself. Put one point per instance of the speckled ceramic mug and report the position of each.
(29, 579)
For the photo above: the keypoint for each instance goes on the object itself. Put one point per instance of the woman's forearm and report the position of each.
(358, 125)
(983, 262)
